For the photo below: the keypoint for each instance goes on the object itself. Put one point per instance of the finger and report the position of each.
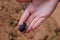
(38, 23)
(29, 20)
(26, 14)
(32, 23)
(24, 17)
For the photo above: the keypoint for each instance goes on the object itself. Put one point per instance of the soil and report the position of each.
(10, 13)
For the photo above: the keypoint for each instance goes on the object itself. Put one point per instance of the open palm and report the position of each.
(35, 14)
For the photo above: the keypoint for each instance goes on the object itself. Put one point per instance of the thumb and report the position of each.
(24, 17)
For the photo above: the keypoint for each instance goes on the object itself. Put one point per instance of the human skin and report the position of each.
(37, 12)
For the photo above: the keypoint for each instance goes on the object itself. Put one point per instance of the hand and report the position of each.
(37, 12)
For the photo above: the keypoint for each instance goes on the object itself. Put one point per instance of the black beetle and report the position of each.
(22, 27)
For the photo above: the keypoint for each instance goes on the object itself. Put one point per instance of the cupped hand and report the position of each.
(36, 13)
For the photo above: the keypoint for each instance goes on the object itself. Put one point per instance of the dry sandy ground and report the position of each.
(10, 13)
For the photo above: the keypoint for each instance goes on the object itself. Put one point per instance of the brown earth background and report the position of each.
(10, 13)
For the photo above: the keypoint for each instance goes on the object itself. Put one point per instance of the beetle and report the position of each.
(22, 27)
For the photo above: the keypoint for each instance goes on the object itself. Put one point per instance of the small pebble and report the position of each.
(57, 30)
(1, 8)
